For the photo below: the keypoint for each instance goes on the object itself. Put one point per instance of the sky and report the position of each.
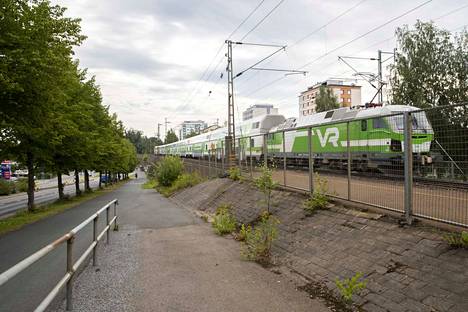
(158, 59)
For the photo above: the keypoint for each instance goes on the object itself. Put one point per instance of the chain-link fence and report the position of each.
(414, 162)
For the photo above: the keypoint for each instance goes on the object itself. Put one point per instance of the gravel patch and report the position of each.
(108, 286)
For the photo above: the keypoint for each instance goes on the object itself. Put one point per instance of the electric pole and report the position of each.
(231, 137)
(379, 73)
(165, 126)
(159, 133)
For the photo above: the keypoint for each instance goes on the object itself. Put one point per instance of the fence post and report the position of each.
(107, 222)
(250, 156)
(209, 163)
(284, 158)
(408, 155)
(95, 233)
(116, 227)
(265, 150)
(348, 148)
(311, 161)
(222, 157)
(70, 271)
(240, 154)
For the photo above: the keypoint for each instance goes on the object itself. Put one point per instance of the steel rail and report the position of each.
(71, 268)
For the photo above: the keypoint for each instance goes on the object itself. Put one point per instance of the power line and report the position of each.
(331, 21)
(345, 44)
(189, 97)
(262, 20)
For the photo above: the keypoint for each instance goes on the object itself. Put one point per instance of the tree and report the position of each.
(171, 137)
(431, 72)
(36, 43)
(430, 68)
(326, 100)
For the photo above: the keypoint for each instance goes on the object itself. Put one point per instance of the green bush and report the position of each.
(21, 185)
(349, 286)
(243, 232)
(224, 222)
(457, 240)
(318, 200)
(168, 170)
(234, 174)
(6, 187)
(258, 241)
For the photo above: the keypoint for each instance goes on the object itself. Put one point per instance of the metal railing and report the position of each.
(71, 267)
(414, 162)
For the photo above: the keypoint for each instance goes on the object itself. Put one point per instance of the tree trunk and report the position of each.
(118, 176)
(86, 181)
(30, 165)
(77, 183)
(100, 176)
(60, 185)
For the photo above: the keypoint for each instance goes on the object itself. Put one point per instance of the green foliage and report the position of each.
(6, 187)
(266, 184)
(171, 137)
(224, 222)
(168, 170)
(457, 240)
(318, 200)
(326, 100)
(143, 144)
(150, 184)
(55, 114)
(234, 173)
(258, 240)
(192, 134)
(350, 286)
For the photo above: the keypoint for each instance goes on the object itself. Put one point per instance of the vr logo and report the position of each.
(331, 135)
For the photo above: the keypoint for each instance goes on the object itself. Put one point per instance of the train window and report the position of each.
(379, 123)
(363, 125)
(252, 142)
(256, 125)
(329, 114)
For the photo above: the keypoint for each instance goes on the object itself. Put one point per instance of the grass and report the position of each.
(150, 184)
(23, 218)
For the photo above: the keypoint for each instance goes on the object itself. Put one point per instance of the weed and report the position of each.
(350, 286)
(258, 241)
(224, 222)
(457, 240)
(266, 184)
(243, 232)
(150, 184)
(318, 200)
(234, 174)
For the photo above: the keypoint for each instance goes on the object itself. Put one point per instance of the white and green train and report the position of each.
(375, 138)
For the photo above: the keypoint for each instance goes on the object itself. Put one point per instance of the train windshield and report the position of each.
(419, 121)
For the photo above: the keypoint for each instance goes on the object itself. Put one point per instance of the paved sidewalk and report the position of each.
(165, 259)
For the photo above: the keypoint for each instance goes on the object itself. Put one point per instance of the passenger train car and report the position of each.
(376, 138)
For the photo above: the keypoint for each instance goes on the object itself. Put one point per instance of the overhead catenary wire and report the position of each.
(262, 20)
(202, 78)
(345, 44)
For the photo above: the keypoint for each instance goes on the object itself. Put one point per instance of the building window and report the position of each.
(349, 91)
(349, 100)
(342, 91)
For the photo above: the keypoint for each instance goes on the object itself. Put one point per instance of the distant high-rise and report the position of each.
(190, 126)
(347, 93)
(258, 110)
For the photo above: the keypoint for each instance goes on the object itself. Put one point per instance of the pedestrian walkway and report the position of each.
(163, 258)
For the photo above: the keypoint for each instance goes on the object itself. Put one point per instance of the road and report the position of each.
(183, 266)
(14, 202)
(429, 200)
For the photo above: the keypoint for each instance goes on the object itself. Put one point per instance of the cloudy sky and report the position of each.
(157, 59)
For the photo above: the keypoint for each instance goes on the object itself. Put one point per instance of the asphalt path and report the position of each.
(26, 290)
(12, 203)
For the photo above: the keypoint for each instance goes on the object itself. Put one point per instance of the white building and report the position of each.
(190, 126)
(347, 93)
(258, 110)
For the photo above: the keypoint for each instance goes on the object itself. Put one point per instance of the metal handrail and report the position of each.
(71, 267)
